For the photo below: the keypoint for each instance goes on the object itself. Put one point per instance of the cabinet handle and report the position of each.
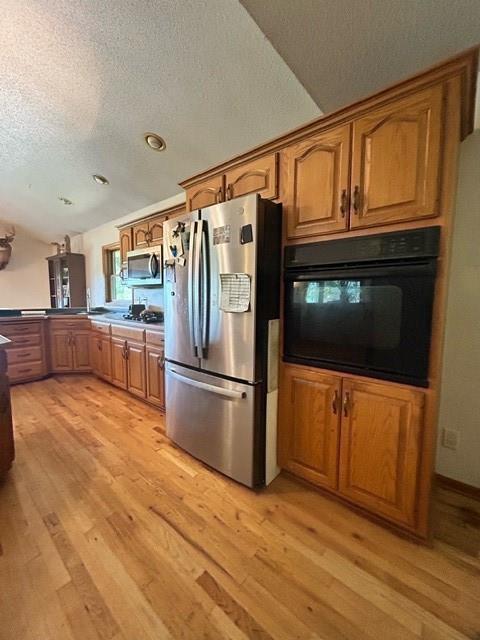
(161, 362)
(24, 355)
(356, 199)
(346, 403)
(229, 192)
(99, 345)
(335, 403)
(343, 203)
(24, 370)
(219, 195)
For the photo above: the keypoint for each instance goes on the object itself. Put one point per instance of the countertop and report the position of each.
(116, 318)
(109, 318)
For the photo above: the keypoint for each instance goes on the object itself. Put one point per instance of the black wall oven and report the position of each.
(363, 305)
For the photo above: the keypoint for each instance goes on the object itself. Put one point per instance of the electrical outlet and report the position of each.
(450, 439)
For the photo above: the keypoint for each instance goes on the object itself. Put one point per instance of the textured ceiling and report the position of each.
(342, 50)
(82, 81)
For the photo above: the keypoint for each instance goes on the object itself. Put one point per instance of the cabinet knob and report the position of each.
(346, 403)
(343, 203)
(356, 199)
(335, 403)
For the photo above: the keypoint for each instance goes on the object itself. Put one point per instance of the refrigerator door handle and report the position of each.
(227, 393)
(191, 289)
(197, 292)
(205, 302)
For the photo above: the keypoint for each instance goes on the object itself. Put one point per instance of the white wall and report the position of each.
(24, 281)
(460, 395)
(91, 242)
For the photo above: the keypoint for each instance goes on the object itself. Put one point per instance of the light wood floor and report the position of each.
(107, 531)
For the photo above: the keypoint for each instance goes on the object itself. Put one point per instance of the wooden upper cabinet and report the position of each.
(380, 447)
(206, 193)
(155, 230)
(136, 369)
(259, 176)
(155, 376)
(140, 235)
(396, 159)
(316, 192)
(309, 424)
(126, 244)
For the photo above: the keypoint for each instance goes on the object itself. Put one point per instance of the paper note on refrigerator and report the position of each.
(235, 292)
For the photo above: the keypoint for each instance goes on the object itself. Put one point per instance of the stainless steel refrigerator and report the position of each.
(221, 288)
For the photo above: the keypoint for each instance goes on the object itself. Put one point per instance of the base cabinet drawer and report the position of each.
(28, 354)
(25, 371)
(359, 439)
(20, 328)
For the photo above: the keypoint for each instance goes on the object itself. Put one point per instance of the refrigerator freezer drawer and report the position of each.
(214, 420)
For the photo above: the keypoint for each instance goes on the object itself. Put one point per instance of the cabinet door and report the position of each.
(316, 193)
(119, 362)
(380, 447)
(155, 229)
(140, 235)
(309, 424)
(396, 160)
(61, 351)
(205, 193)
(126, 244)
(95, 343)
(259, 176)
(106, 358)
(81, 351)
(155, 376)
(7, 450)
(136, 369)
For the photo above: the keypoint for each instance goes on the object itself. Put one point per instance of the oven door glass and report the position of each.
(373, 321)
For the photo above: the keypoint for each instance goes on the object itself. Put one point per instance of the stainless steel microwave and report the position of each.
(144, 267)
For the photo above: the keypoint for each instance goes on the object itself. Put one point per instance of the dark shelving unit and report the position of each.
(66, 273)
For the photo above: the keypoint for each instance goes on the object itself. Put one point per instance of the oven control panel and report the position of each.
(397, 245)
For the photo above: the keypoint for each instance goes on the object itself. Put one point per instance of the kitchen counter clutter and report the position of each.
(7, 450)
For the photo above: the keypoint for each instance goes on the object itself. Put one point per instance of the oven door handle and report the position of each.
(426, 267)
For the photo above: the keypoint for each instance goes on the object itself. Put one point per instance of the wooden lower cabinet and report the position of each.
(380, 447)
(310, 425)
(81, 352)
(69, 351)
(358, 438)
(155, 376)
(101, 356)
(7, 449)
(136, 378)
(61, 352)
(119, 362)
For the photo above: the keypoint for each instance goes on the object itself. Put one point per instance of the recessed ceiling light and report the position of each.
(100, 179)
(65, 200)
(154, 141)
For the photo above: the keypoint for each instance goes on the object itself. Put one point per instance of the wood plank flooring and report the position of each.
(107, 531)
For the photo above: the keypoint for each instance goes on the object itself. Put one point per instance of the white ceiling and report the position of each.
(82, 81)
(343, 50)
